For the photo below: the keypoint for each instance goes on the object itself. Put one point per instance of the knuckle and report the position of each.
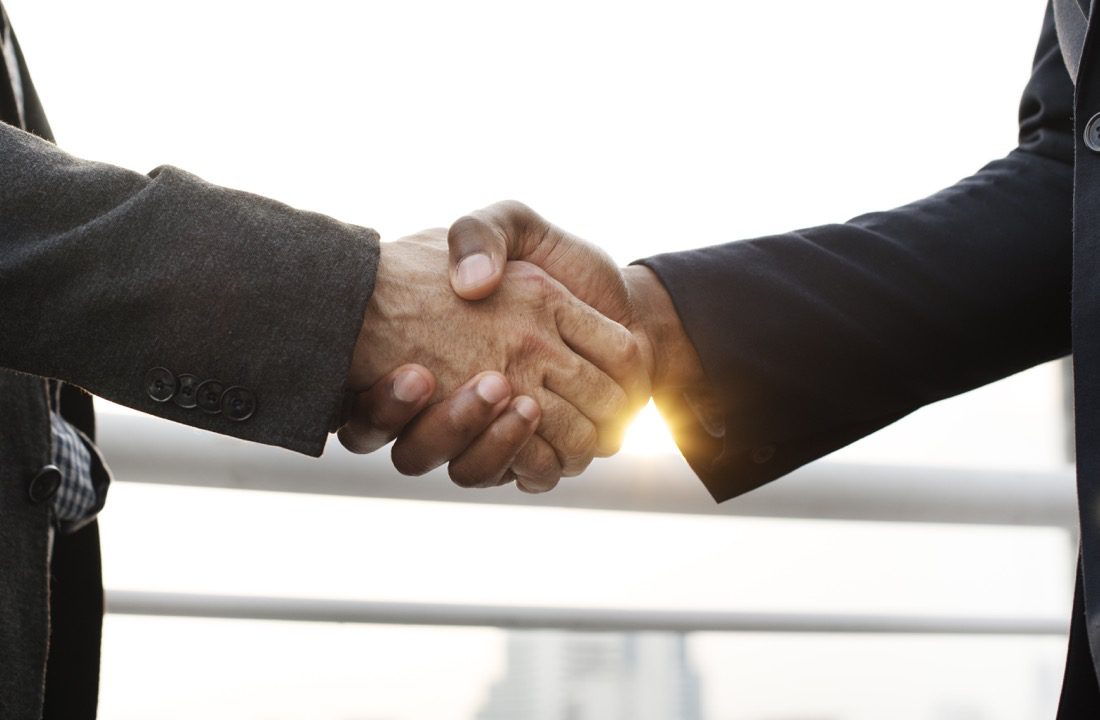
(615, 403)
(464, 228)
(610, 445)
(539, 465)
(543, 467)
(531, 343)
(515, 209)
(463, 423)
(379, 411)
(524, 221)
(612, 436)
(463, 417)
(580, 445)
(576, 468)
(535, 280)
(586, 437)
(380, 418)
(627, 354)
(510, 435)
(535, 286)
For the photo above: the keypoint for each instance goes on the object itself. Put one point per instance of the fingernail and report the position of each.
(527, 408)
(409, 386)
(474, 270)
(492, 389)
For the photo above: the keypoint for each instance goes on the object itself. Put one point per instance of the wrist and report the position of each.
(384, 337)
(669, 356)
(363, 373)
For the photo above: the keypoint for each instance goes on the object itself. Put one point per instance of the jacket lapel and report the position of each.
(11, 110)
(1071, 21)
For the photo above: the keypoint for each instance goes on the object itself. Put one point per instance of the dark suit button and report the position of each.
(186, 394)
(160, 384)
(1092, 133)
(238, 403)
(208, 396)
(763, 454)
(44, 485)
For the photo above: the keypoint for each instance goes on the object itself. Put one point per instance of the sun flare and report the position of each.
(648, 434)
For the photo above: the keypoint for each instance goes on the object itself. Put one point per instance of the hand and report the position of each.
(479, 429)
(547, 344)
(482, 244)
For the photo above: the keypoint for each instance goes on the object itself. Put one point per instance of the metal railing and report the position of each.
(144, 450)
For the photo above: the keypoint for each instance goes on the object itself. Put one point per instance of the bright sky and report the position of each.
(644, 127)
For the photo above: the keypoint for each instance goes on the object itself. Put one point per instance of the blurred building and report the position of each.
(594, 676)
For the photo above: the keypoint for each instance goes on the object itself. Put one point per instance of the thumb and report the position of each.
(382, 411)
(477, 254)
(481, 243)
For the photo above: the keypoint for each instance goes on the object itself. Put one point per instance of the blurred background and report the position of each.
(644, 127)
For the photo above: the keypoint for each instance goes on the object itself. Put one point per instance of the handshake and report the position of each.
(529, 362)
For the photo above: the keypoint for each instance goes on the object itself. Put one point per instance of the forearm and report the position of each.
(108, 273)
(670, 359)
(812, 339)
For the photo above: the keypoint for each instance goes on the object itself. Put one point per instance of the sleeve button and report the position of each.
(763, 454)
(186, 395)
(208, 396)
(238, 403)
(160, 384)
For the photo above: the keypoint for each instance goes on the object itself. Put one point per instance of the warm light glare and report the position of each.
(648, 434)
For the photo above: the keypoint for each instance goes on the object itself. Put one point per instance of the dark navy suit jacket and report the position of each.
(815, 338)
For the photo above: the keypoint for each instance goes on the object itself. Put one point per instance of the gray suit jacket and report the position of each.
(106, 274)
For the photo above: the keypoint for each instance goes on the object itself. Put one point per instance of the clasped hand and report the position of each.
(504, 347)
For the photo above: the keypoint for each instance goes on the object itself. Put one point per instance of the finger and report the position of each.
(444, 430)
(482, 242)
(381, 411)
(486, 461)
(572, 436)
(607, 345)
(594, 395)
(536, 466)
(605, 379)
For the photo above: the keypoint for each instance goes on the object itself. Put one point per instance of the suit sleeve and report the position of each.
(106, 274)
(813, 339)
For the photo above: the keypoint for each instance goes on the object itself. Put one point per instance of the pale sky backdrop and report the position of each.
(644, 127)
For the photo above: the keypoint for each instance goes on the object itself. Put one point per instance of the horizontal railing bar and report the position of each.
(124, 602)
(143, 449)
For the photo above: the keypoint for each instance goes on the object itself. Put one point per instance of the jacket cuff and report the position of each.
(260, 346)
